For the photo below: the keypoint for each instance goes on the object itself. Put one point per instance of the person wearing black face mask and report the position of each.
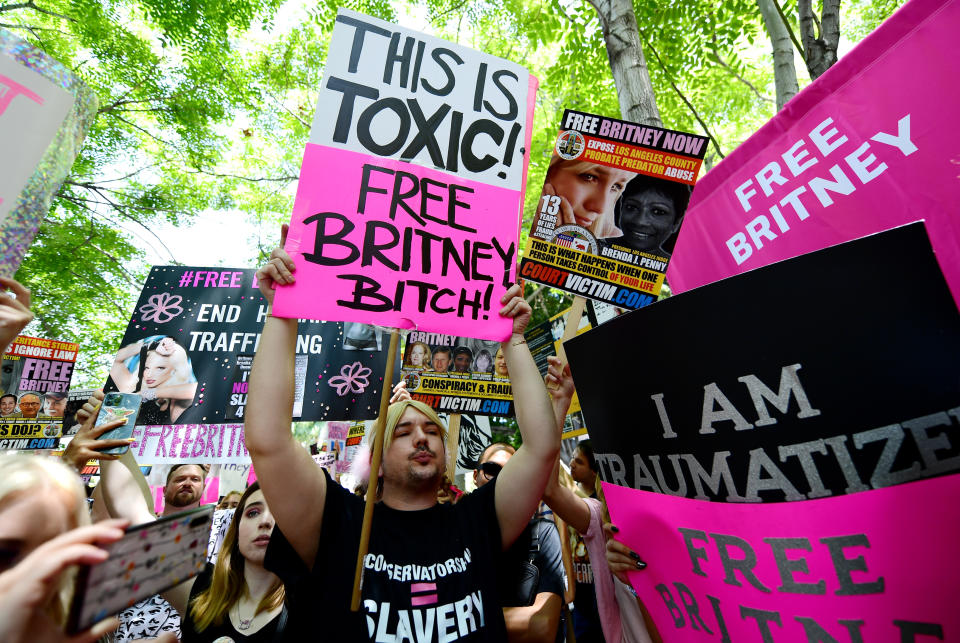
(531, 578)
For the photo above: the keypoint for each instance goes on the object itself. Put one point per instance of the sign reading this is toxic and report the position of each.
(407, 210)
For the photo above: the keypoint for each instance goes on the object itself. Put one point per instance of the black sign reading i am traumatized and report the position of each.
(827, 374)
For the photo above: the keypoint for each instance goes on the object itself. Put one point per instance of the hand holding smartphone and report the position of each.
(149, 559)
(118, 406)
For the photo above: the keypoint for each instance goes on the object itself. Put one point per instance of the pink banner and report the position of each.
(871, 145)
(190, 443)
(869, 566)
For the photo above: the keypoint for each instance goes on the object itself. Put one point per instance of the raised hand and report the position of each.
(14, 311)
(517, 308)
(278, 270)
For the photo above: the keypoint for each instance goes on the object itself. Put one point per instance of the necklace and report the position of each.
(245, 622)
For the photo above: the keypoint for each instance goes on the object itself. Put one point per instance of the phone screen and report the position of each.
(149, 559)
(118, 406)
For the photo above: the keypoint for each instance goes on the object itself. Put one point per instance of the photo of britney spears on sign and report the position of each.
(617, 191)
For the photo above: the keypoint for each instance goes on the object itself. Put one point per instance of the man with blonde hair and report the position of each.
(429, 574)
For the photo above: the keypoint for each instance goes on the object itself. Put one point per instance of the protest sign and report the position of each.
(192, 443)
(612, 202)
(190, 344)
(864, 567)
(233, 477)
(807, 378)
(544, 341)
(326, 460)
(76, 398)
(45, 113)
(34, 382)
(457, 374)
(845, 158)
(475, 436)
(407, 210)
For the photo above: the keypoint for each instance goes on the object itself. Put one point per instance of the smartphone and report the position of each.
(117, 406)
(149, 559)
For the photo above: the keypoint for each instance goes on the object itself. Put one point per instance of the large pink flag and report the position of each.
(871, 145)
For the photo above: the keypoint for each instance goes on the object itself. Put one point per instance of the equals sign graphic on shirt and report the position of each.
(423, 594)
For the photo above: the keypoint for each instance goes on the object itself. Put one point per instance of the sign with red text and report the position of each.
(544, 341)
(864, 567)
(612, 202)
(457, 374)
(804, 379)
(847, 157)
(34, 379)
(407, 211)
(189, 347)
(45, 113)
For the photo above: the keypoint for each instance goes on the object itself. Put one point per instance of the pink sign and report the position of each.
(869, 566)
(871, 145)
(439, 262)
(408, 208)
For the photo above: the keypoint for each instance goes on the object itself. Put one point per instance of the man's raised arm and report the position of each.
(292, 483)
(521, 483)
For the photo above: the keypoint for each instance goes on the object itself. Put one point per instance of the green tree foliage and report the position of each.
(206, 106)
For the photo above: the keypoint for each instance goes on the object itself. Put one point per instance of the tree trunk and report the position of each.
(784, 71)
(819, 52)
(630, 75)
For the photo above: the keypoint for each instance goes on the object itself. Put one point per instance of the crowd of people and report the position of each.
(526, 556)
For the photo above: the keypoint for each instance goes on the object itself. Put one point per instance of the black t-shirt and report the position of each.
(430, 575)
(189, 635)
(548, 560)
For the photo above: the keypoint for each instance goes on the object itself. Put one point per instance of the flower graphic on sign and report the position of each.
(352, 378)
(161, 308)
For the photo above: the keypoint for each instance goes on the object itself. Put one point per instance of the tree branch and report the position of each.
(243, 178)
(99, 191)
(820, 38)
(733, 72)
(786, 25)
(30, 4)
(686, 102)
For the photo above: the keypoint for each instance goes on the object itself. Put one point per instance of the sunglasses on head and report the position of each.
(491, 469)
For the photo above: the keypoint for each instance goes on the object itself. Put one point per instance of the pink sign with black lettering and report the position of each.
(869, 566)
(869, 146)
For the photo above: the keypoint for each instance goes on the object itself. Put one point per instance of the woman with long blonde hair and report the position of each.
(236, 597)
(44, 531)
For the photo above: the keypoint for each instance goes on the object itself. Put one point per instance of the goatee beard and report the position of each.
(186, 500)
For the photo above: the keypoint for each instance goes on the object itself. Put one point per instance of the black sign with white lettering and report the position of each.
(190, 344)
(831, 373)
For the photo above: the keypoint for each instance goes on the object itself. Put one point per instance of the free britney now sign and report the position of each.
(407, 211)
(871, 145)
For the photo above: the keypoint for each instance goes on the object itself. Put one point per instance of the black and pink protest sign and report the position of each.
(188, 351)
(408, 205)
(827, 374)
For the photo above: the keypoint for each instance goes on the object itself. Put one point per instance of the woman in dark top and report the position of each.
(237, 597)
